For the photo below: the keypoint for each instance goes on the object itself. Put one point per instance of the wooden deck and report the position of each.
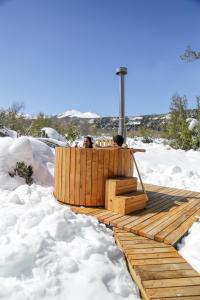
(158, 269)
(147, 237)
(167, 217)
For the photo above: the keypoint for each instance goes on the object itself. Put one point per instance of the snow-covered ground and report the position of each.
(163, 165)
(48, 252)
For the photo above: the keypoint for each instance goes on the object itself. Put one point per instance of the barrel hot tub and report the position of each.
(80, 174)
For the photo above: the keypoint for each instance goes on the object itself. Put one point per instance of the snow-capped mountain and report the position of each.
(75, 113)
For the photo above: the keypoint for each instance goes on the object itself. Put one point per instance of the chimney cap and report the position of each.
(121, 71)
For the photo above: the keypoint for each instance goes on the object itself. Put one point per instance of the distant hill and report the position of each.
(91, 123)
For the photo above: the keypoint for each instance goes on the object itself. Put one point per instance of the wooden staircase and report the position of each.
(122, 196)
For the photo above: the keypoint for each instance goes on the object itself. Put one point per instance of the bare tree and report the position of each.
(16, 107)
(190, 55)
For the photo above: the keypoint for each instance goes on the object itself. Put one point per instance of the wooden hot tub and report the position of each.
(80, 174)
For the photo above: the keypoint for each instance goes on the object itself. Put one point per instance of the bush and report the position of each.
(23, 171)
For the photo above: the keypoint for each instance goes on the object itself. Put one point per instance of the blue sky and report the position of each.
(59, 55)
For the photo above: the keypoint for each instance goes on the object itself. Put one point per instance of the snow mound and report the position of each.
(8, 132)
(75, 113)
(53, 134)
(31, 152)
(48, 252)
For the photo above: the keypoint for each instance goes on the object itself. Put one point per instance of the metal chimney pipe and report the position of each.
(122, 71)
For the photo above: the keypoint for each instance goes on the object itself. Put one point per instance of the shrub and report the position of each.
(23, 171)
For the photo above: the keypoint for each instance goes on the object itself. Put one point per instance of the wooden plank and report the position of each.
(175, 282)
(163, 267)
(72, 175)
(120, 162)
(94, 177)
(158, 261)
(173, 292)
(105, 168)
(162, 223)
(56, 175)
(60, 173)
(180, 298)
(88, 177)
(55, 180)
(115, 163)
(77, 176)
(83, 177)
(186, 214)
(151, 250)
(63, 177)
(153, 255)
(148, 275)
(124, 165)
(100, 183)
(174, 236)
(111, 165)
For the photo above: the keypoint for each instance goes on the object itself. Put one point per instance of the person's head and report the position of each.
(88, 143)
(118, 140)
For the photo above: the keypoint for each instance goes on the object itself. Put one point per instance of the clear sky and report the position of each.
(56, 55)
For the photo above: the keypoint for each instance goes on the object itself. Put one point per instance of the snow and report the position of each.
(8, 132)
(75, 113)
(192, 123)
(163, 165)
(46, 251)
(53, 134)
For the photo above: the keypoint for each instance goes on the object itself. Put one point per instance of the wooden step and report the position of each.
(127, 203)
(118, 186)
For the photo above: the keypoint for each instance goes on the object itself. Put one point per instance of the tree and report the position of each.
(177, 127)
(12, 117)
(190, 55)
(72, 133)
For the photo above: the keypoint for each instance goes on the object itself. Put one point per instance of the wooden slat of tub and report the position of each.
(105, 168)
(94, 177)
(120, 162)
(123, 158)
(60, 174)
(56, 173)
(63, 177)
(116, 161)
(88, 176)
(77, 176)
(83, 177)
(72, 175)
(111, 165)
(67, 174)
(100, 182)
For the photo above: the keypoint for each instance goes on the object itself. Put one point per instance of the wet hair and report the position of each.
(118, 139)
(90, 140)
